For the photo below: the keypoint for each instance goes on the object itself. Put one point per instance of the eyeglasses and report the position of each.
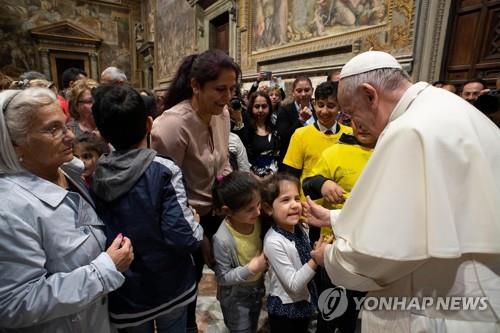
(86, 101)
(56, 131)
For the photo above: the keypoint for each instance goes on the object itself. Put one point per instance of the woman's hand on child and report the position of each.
(332, 192)
(196, 216)
(258, 263)
(316, 215)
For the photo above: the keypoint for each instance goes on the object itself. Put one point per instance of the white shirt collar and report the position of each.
(323, 129)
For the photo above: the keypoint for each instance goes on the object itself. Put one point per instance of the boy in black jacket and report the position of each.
(141, 195)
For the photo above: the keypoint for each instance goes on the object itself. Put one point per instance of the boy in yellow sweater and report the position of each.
(307, 143)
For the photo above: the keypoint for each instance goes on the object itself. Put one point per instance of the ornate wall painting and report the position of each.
(110, 22)
(278, 23)
(175, 36)
(277, 29)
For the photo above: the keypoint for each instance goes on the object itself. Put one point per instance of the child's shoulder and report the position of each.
(166, 162)
(306, 130)
(273, 236)
(222, 230)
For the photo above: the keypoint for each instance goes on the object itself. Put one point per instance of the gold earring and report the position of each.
(20, 159)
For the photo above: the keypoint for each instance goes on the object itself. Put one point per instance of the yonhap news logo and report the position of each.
(333, 302)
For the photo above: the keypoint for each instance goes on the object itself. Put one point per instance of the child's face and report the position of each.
(364, 137)
(287, 208)
(326, 111)
(88, 156)
(275, 97)
(303, 92)
(250, 213)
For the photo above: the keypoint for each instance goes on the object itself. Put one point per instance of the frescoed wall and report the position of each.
(110, 22)
(317, 36)
(277, 23)
(175, 36)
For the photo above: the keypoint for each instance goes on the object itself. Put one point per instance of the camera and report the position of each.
(235, 103)
(268, 75)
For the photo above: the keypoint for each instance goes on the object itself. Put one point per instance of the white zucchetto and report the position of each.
(368, 61)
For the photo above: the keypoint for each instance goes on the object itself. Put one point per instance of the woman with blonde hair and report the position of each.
(80, 106)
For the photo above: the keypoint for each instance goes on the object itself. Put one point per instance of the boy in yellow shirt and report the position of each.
(307, 143)
(339, 167)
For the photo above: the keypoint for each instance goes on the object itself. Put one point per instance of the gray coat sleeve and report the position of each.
(28, 294)
(225, 272)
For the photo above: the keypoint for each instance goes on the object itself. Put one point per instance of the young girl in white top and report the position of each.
(239, 261)
(292, 296)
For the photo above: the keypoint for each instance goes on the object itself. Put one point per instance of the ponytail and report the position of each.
(180, 88)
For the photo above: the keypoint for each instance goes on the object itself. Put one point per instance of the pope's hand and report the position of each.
(315, 214)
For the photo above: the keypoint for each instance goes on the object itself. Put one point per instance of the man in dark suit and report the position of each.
(296, 114)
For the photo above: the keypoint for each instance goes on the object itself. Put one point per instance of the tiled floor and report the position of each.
(208, 312)
(209, 315)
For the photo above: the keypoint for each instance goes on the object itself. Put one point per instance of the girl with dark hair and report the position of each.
(194, 132)
(292, 295)
(263, 144)
(239, 261)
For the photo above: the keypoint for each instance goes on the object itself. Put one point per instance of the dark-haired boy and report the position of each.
(141, 195)
(307, 143)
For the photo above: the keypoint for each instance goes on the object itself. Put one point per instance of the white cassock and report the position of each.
(424, 217)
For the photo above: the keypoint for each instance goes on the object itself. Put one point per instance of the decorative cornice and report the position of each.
(65, 31)
(47, 42)
(318, 44)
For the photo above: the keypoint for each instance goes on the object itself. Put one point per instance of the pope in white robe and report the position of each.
(423, 219)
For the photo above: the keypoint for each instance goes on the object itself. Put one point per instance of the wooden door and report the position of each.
(60, 61)
(474, 41)
(219, 27)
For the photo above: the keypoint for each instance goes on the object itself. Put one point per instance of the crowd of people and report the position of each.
(114, 202)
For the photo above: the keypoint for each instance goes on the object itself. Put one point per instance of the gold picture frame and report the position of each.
(386, 28)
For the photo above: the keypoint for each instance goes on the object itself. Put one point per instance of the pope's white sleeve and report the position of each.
(334, 215)
(357, 271)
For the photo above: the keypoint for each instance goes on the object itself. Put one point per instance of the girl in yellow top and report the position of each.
(239, 261)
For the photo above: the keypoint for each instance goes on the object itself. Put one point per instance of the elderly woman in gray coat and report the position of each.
(55, 271)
